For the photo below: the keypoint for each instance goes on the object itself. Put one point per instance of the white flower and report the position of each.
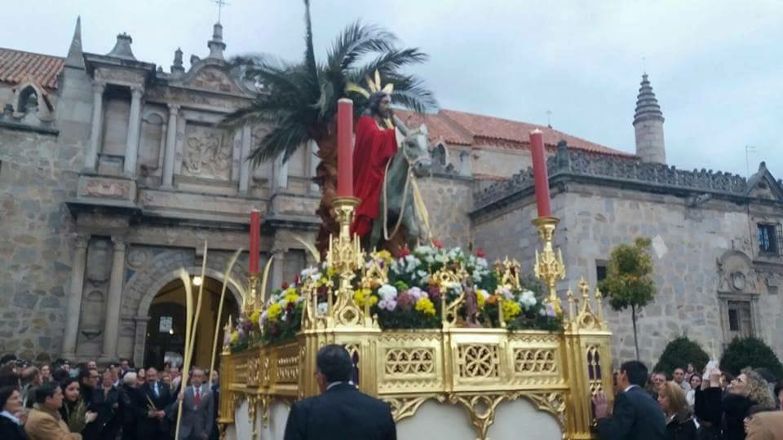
(528, 299)
(387, 304)
(388, 292)
(416, 293)
(311, 272)
(506, 292)
(423, 250)
(322, 308)
(482, 262)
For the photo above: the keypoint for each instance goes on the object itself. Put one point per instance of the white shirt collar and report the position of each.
(629, 387)
(334, 384)
(8, 415)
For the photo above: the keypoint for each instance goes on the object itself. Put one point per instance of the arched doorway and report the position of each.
(165, 338)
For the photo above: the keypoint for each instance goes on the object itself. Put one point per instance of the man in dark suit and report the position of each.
(636, 416)
(197, 408)
(156, 404)
(341, 411)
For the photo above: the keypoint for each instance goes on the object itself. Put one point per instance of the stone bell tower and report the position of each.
(648, 125)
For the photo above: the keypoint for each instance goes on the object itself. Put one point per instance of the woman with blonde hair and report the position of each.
(679, 423)
(727, 414)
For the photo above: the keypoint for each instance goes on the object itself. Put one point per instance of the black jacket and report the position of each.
(725, 413)
(636, 416)
(341, 413)
(9, 430)
(681, 427)
(153, 428)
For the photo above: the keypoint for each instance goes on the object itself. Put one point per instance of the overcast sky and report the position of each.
(716, 66)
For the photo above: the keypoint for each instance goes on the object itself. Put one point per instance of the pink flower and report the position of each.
(480, 253)
(404, 251)
(405, 301)
(438, 244)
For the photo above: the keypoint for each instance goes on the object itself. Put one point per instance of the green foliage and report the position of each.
(299, 100)
(750, 352)
(680, 352)
(629, 280)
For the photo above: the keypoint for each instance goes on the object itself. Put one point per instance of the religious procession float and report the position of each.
(460, 347)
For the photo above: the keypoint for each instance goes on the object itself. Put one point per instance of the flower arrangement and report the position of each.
(409, 295)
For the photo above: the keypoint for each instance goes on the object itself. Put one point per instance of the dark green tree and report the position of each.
(629, 280)
(680, 352)
(750, 352)
(299, 100)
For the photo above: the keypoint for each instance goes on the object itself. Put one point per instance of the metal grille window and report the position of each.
(769, 236)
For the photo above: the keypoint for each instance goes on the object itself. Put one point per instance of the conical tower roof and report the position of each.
(647, 106)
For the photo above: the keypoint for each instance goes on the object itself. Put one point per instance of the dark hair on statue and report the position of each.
(636, 372)
(334, 362)
(374, 102)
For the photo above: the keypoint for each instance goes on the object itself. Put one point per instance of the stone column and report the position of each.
(134, 126)
(91, 157)
(244, 166)
(171, 147)
(75, 299)
(277, 268)
(111, 328)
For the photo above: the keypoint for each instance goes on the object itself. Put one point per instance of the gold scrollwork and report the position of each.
(482, 410)
(253, 372)
(404, 407)
(478, 361)
(553, 402)
(532, 361)
(409, 361)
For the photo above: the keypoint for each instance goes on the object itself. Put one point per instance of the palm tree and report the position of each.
(299, 100)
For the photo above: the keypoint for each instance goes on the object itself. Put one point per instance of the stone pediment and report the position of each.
(763, 185)
(214, 78)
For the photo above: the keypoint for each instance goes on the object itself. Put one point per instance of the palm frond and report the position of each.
(284, 138)
(309, 59)
(387, 63)
(357, 40)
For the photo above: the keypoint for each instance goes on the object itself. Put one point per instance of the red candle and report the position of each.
(540, 173)
(255, 240)
(345, 148)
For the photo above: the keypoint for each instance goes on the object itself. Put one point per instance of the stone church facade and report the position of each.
(113, 173)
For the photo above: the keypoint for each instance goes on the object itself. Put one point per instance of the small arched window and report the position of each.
(28, 100)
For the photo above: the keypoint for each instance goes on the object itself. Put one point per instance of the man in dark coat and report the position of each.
(636, 416)
(341, 411)
(156, 405)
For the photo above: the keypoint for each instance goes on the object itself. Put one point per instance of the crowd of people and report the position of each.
(691, 406)
(116, 401)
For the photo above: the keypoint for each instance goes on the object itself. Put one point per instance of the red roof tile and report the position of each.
(460, 128)
(17, 66)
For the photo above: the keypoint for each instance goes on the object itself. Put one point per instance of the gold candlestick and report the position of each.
(549, 267)
(345, 256)
(250, 300)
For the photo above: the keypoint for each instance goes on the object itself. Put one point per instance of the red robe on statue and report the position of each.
(375, 146)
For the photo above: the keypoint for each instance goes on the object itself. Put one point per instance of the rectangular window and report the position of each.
(740, 322)
(166, 324)
(769, 236)
(600, 271)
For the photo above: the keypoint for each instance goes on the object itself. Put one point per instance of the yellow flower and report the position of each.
(291, 297)
(274, 311)
(234, 337)
(364, 296)
(511, 309)
(255, 316)
(424, 305)
(480, 300)
(384, 255)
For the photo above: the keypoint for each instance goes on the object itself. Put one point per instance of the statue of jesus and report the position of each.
(375, 146)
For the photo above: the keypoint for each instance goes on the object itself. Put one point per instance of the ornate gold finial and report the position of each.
(250, 299)
(549, 266)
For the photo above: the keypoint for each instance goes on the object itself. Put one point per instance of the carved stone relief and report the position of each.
(206, 153)
(213, 79)
(736, 274)
(109, 189)
(98, 260)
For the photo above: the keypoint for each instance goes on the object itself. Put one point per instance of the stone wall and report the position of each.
(448, 201)
(688, 243)
(36, 175)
